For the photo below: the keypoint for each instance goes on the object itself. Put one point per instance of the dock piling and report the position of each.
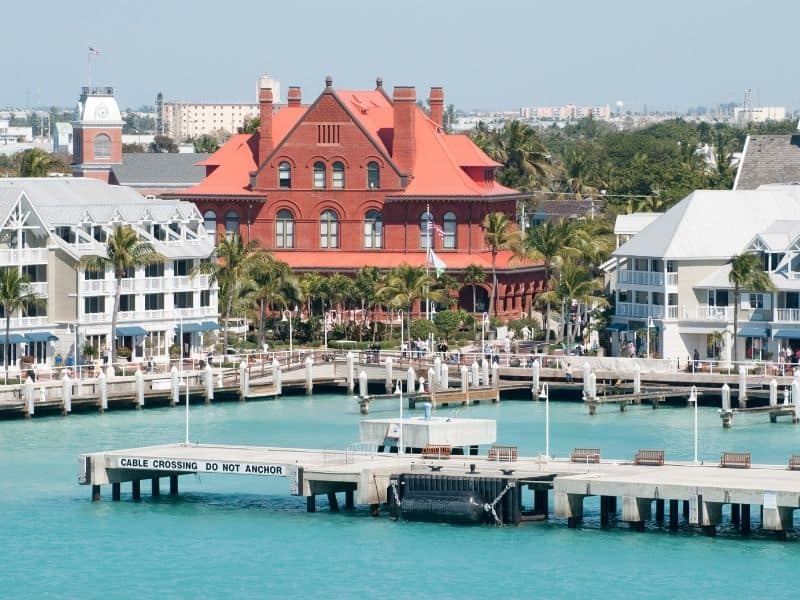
(103, 383)
(173, 485)
(309, 375)
(66, 392)
(388, 364)
(95, 493)
(333, 502)
(484, 373)
(464, 378)
(115, 491)
(136, 489)
(637, 379)
(742, 387)
(155, 486)
(277, 376)
(436, 377)
(476, 376)
(535, 372)
(139, 385)
(363, 384)
(773, 392)
(209, 381)
(349, 503)
(311, 503)
(411, 379)
(673, 515)
(495, 376)
(27, 389)
(244, 381)
(174, 386)
(726, 414)
(351, 385)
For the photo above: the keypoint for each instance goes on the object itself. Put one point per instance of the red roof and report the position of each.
(439, 165)
(336, 259)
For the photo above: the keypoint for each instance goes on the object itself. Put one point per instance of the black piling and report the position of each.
(673, 515)
(659, 511)
(173, 484)
(155, 486)
(136, 489)
(115, 492)
(311, 503)
(745, 519)
(333, 502)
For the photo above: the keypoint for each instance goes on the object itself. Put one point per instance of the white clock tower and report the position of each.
(97, 134)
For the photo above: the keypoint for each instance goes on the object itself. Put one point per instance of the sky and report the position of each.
(495, 54)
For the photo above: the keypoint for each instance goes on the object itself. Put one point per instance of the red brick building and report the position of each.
(345, 182)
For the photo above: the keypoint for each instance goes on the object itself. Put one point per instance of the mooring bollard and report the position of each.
(464, 378)
(773, 392)
(363, 384)
(411, 379)
(742, 387)
(138, 381)
(209, 381)
(637, 379)
(66, 391)
(388, 364)
(350, 372)
(101, 380)
(309, 375)
(535, 372)
(476, 376)
(175, 386)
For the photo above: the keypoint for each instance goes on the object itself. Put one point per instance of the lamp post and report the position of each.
(694, 397)
(325, 318)
(180, 371)
(402, 314)
(284, 319)
(399, 391)
(649, 325)
(545, 395)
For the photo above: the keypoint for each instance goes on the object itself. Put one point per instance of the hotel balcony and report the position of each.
(787, 315)
(23, 256)
(632, 309)
(18, 322)
(39, 288)
(146, 284)
(652, 278)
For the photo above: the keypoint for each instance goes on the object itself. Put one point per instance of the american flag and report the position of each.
(434, 227)
(93, 50)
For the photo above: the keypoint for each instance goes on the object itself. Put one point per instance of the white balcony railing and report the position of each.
(26, 322)
(708, 313)
(672, 279)
(96, 286)
(787, 315)
(39, 288)
(672, 312)
(632, 309)
(165, 284)
(655, 278)
(95, 317)
(23, 256)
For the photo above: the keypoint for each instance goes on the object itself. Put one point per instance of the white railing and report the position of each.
(23, 256)
(672, 312)
(27, 322)
(197, 311)
(165, 284)
(95, 317)
(708, 313)
(96, 286)
(641, 277)
(39, 288)
(787, 315)
(632, 309)
(672, 279)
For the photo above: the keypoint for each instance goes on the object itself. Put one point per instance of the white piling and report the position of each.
(464, 378)
(138, 380)
(742, 386)
(42, 395)
(433, 382)
(175, 386)
(363, 388)
(244, 380)
(411, 379)
(309, 375)
(209, 383)
(637, 379)
(350, 373)
(28, 391)
(436, 380)
(444, 377)
(796, 418)
(101, 379)
(495, 375)
(66, 392)
(786, 400)
(389, 378)
(277, 376)
(592, 386)
(587, 370)
(773, 393)
(485, 373)
(421, 385)
(535, 372)
(219, 378)
(726, 397)
(796, 394)
(476, 376)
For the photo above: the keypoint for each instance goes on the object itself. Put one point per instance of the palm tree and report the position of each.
(235, 260)
(15, 295)
(406, 284)
(271, 283)
(473, 275)
(125, 251)
(576, 283)
(578, 170)
(519, 148)
(546, 242)
(35, 162)
(748, 274)
(500, 235)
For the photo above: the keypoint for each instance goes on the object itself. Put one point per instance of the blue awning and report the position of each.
(209, 326)
(787, 334)
(40, 336)
(13, 338)
(618, 326)
(753, 331)
(190, 327)
(130, 331)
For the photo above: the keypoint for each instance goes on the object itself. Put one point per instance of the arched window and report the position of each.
(373, 176)
(231, 223)
(284, 229)
(285, 175)
(450, 223)
(328, 229)
(319, 175)
(210, 223)
(102, 146)
(338, 175)
(426, 230)
(373, 229)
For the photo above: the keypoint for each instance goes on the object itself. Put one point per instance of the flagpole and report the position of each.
(89, 58)
(429, 221)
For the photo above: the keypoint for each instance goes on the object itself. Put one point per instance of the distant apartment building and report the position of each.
(759, 114)
(10, 134)
(565, 112)
(184, 120)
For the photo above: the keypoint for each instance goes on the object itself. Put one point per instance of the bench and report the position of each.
(794, 462)
(503, 453)
(649, 457)
(735, 460)
(585, 455)
(436, 451)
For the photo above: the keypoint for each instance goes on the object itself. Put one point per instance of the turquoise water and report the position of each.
(236, 537)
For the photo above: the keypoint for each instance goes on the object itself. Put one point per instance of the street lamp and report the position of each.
(399, 391)
(180, 369)
(649, 325)
(283, 320)
(693, 396)
(545, 395)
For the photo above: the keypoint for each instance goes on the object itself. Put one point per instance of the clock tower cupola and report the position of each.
(97, 134)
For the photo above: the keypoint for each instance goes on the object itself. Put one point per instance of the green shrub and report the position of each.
(422, 328)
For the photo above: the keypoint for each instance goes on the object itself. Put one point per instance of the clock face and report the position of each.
(101, 111)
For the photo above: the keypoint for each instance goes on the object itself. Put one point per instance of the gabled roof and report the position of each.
(769, 159)
(160, 169)
(634, 222)
(439, 165)
(712, 224)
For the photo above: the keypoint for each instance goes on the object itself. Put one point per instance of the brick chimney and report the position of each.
(294, 98)
(265, 143)
(436, 102)
(404, 99)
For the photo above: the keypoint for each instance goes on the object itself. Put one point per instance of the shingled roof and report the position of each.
(769, 159)
(160, 169)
